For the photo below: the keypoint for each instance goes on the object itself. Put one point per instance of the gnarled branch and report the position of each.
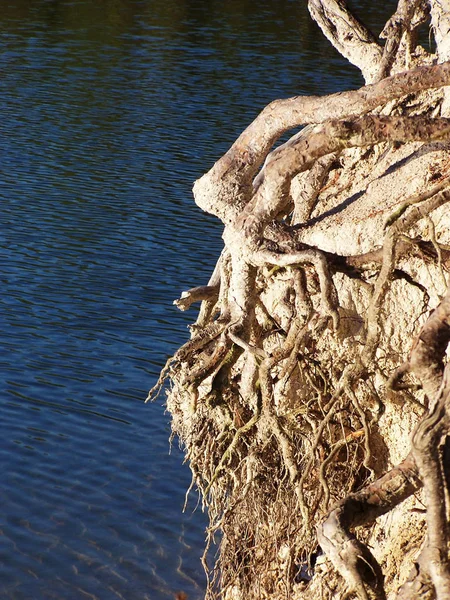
(348, 35)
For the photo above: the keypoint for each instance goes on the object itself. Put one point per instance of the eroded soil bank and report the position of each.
(318, 350)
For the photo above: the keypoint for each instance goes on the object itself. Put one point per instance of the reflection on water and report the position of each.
(109, 111)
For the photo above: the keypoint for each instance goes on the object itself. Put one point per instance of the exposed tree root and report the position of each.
(198, 294)
(422, 467)
(279, 396)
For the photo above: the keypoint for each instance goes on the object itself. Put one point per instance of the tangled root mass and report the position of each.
(312, 396)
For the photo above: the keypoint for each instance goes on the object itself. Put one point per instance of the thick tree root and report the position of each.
(425, 449)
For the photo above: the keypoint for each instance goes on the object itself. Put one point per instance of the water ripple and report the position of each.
(109, 112)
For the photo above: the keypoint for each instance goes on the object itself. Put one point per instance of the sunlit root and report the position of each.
(421, 467)
(211, 363)
(314, 257)
(426, 451)
(282, 395)
(198, 294)
(186, 351)
(227, 188)
(348, 35)
(401, 27)
(333, 136)
(351, 558)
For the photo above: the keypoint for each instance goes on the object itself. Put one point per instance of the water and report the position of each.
(109, 111)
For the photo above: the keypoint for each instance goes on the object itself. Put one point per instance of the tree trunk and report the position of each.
(312, 398)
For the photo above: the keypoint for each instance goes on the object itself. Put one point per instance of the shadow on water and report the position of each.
(110, 110)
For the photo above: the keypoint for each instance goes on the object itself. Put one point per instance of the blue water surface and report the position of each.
(109, 111)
